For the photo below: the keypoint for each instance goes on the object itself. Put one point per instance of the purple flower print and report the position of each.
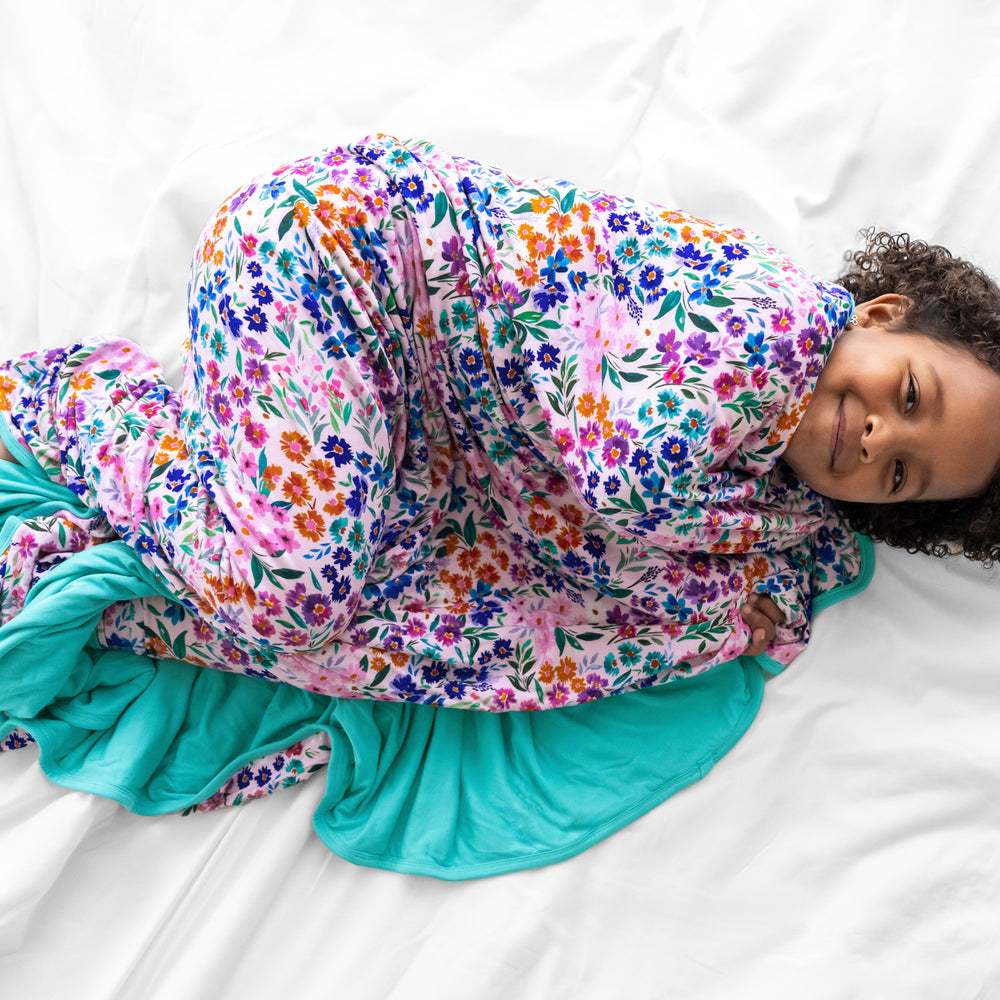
(242, 198)
(616, 451)
(452, 253)
(700, 349)
(667, 344)
(317, 609)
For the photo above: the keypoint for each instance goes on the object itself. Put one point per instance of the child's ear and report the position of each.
(883, 310)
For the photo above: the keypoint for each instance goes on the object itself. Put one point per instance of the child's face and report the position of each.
(898, 416)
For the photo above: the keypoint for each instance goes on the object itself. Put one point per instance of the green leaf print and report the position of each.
(305, 193)
(702, 323)
(469, 530)
(608, 372)
(179, 646)
(286, 223)
(256, 568)
(668, 303)
(440, 207)
(560, 637)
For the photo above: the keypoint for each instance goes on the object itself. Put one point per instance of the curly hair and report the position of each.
(956, 303)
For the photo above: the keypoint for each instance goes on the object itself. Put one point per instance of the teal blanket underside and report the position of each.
(411, 788)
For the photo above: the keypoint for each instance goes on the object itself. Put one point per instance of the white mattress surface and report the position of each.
(849, 846)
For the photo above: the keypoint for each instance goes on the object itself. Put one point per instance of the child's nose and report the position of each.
(874, 438)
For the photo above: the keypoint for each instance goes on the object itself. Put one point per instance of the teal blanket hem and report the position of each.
(342, 848)
(410, 788)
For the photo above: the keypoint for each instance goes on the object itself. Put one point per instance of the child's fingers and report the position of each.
(762, 616)
(761, 632)
(765, 605)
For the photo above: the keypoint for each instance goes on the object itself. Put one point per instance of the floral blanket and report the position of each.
(450, 437)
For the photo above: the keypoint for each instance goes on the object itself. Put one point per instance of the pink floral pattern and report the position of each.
(452, 437)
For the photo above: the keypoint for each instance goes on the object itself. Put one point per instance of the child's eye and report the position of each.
(911, 395)
(899, 477)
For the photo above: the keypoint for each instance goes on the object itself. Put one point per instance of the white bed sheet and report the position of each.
(850, 845)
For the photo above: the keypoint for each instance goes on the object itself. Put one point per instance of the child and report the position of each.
(449, 437)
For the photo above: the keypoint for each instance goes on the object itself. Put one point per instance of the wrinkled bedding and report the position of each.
(846, 847)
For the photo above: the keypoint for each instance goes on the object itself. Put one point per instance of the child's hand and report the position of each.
(763, 616)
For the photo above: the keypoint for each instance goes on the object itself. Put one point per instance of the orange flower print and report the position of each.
(269, 477)
(673, 217)
(294, 445)
(323, 474)
(756, 570)
(302, 213)
(157, 648)
(310, 525)
(7, 386)
(83, 381)
(540, 246)
(353, 217)
(572, 515)
(572, 247)
(467, 560)
(295, 489)
(541, 524)
(557, 222)
(527, 274)
(567, 668)
(325, 214)
(335, 507)
(425, 326)
(569, 537)
(788, 420)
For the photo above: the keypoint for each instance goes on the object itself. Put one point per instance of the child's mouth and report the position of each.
(837, 434)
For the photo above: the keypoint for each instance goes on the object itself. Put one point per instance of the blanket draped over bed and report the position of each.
(446, 439)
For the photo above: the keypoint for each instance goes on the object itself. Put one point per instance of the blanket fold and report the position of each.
(446, 439)
(410, 787)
